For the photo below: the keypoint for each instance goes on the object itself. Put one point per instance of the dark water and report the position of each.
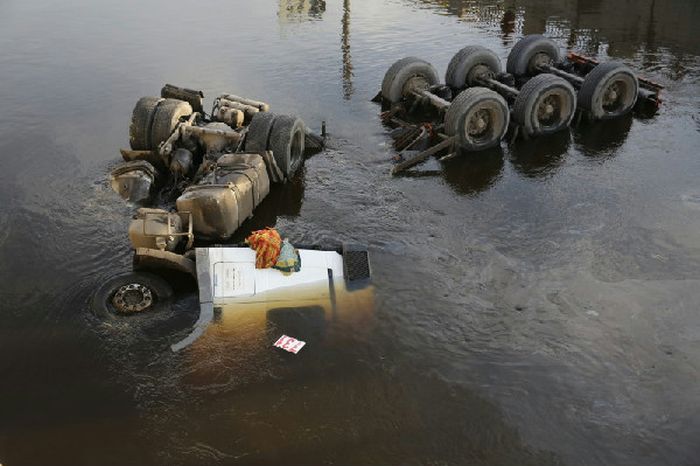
(535, 305)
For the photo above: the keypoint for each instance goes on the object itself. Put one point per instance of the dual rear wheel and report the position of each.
(608, 91)
(284, 135)
(544, 105)
(153, 121)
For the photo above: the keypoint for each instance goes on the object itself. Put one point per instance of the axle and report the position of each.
(572, 78)
(435, 100)
(488, 81)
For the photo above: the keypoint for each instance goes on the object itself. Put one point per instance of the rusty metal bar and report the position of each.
(582, 59)
(399, 167)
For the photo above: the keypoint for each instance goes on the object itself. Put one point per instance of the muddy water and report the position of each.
(537, 304)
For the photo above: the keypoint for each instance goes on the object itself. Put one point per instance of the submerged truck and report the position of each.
(197, 177)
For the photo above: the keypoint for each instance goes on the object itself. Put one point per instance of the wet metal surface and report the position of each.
(536, 304)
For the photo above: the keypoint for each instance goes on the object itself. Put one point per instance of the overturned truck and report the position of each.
(200, 176)
(539, 93)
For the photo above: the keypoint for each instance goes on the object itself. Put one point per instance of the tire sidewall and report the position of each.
(518, 63)
(411, 70)
(460, 67)
(497, 102)
(258, 135)
(284, 130)
(594, 103)
(165, 118)
(526, 112)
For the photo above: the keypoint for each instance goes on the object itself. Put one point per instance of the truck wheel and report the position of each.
(405, 75)
(167, 115)
(258, 136)
(608, 91)
(478, 117)
(141, 121)
(529, 53)
(129, 294)
(287, 143)
(545, 105)
(469, 64)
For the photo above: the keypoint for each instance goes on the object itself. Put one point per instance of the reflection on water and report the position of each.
(540, 157)
(618, 29)
(291, 11)
(347, 57)
(473, 173)
(602, 138)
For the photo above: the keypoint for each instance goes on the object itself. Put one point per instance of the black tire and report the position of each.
(257, 138)
(141, 121)
(529, 52)
(468, 64)
(546, 104)
(103, 306)
(167, 115)
(477, 104)
(287, 143)
(399, 79)
(609, 91)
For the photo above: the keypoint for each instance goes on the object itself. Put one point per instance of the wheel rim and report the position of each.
(538, 60)
(548, 110)
(132, 298)
(416, 83)
(479, 124)
(479, 73)
(615, 96)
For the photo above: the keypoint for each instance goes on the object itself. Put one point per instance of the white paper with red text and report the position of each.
(289, 344)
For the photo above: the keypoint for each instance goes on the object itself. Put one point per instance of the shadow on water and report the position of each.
(540, 157)
(469, 173)
(472, 173)
(601, 139)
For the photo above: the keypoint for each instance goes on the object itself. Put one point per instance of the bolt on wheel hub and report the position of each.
(415, 84)
(548, 110)
(479, 122)
(612, 95)
(132, 298)
(539, 60)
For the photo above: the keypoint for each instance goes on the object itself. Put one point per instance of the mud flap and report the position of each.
(356, 266)
(206, 304)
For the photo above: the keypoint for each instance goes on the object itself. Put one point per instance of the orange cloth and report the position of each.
(267, 244)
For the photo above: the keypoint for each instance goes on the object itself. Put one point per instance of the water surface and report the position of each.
(535, 304)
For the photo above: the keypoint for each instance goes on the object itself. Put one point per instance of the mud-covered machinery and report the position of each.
(540, 93)
(201, 175)
(172, 137)
(210, 170)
